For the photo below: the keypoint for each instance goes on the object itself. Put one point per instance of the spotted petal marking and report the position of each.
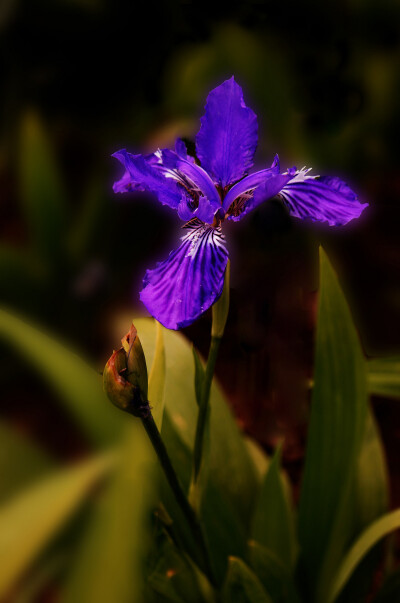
(190, 280)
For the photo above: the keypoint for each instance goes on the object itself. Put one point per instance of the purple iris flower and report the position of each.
(191, 279)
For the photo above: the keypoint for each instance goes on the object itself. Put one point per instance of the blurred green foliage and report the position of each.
(132, 542)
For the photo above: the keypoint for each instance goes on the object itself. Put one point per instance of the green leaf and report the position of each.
(369, 501)
(79, 386)
(242, 585)
(19, 273)
(157, 379)
(172, 575)
(372, 480)
(384, 377)
(236, 475)
(21, 462)
(338, 414)
(88, 221)
(260, 459)
(233, 481)
(108, 564)
(42, 195)
(224, 531)
(373, 534)
(273, 524)
(274, 576)
(31, 519)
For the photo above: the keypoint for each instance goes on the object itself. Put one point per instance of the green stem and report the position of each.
(204, 406)
(188, 512)
(220, 312)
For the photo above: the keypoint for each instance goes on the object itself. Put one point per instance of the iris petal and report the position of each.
(250, 183)
(324, 199)
(142, 174)
(227, 139)
(190, 280)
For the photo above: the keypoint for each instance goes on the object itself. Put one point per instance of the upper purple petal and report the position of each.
(249, 185)
(143, 174)
(190, 280)
(326, 199)
(227, 139)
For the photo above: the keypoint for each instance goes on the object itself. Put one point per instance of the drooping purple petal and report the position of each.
(190, 280)
(324, 199)
(143, 174)
(227, 139)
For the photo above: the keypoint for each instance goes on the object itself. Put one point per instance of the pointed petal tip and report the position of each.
(227, 139)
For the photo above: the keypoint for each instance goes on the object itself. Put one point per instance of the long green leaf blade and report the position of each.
(273, 524)
(373, 534)
(21, 462)
(42, 194)
(30, 520)
(338, 414)
(108, 565)
(242, 585)
(236, 476)
(79, 386)
(384, 377)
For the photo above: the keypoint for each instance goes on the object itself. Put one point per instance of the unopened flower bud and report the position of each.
(125, 376)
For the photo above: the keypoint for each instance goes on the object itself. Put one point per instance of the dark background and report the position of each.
(98, 75)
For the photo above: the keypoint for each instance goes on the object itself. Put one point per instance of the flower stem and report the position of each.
(181, 499)
(219, 317)
(204, 406)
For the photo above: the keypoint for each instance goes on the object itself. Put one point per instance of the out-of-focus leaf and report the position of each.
(108, 564)
(19, 272)
(173, 576)
(260, 459)
(42, 194)
(21, 461)
(338, 414)
(273, 522)
(372, 487)
(157, 379)
(242, 585)
(88, 220)
(384, 377)
(373, 534)
(370, 501)
(236, 475)
(224, 531)
(79, 386)
(35, 585)
(31, 519)
(390, 591)
(274, 576)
